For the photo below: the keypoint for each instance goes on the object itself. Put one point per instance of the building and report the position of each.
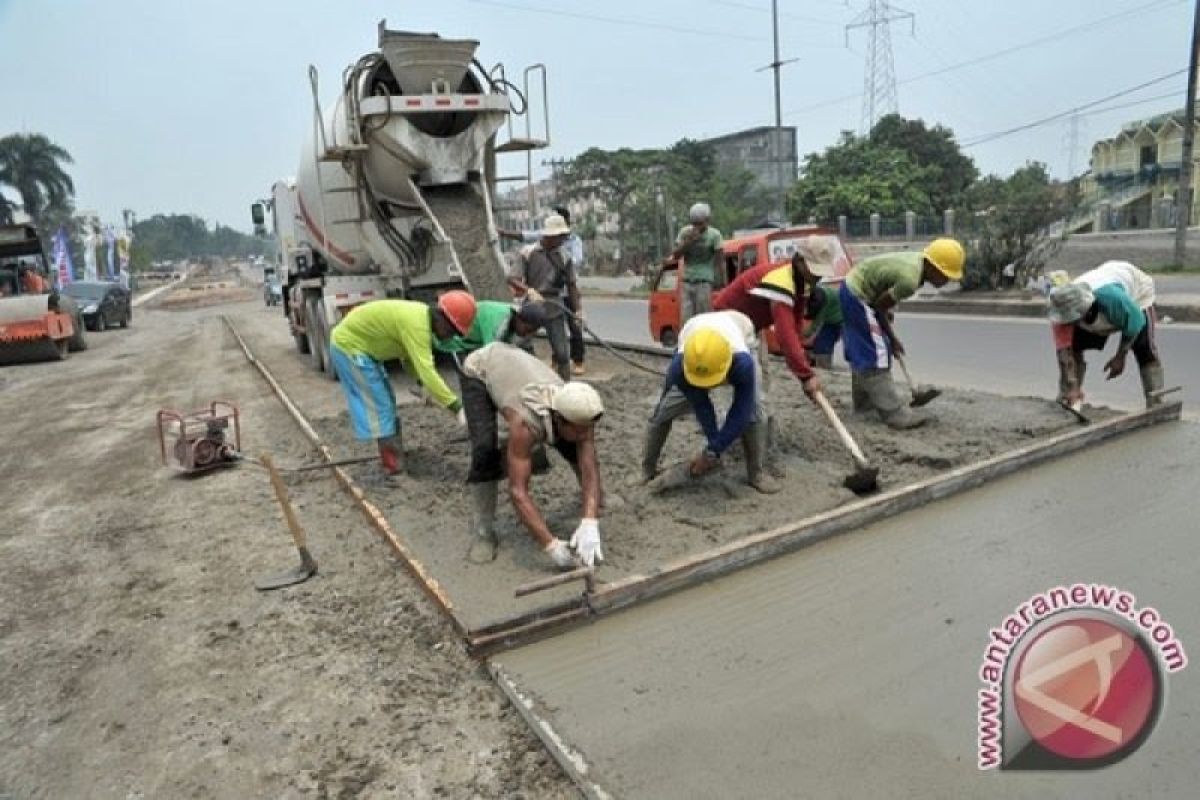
(1134, 176)
(767, 152)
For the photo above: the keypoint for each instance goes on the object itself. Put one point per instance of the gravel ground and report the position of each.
(138, 660)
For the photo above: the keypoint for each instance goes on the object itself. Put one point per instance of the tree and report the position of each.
(1010, 223)
(173, 237)
(33, 165)
(614, 177)
(858, 177)
(948, 171)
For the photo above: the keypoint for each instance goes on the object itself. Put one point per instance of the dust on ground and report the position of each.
(642, 529)
(139, 661)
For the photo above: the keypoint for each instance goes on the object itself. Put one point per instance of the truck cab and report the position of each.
(744, 251)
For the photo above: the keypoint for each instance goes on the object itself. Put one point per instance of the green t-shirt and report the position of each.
(829, 313)
(698, 257)
(491, 323)
(899, 273)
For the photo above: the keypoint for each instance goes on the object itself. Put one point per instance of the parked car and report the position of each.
(741, 253)
(101, 303)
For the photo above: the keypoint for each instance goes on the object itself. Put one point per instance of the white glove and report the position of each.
(586, 541)
(461, 417)
(534, 296)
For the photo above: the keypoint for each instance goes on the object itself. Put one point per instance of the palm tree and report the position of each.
(32, 165)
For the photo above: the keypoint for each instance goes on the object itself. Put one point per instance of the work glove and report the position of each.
(586, 541)
(534, 296)
(461, 417)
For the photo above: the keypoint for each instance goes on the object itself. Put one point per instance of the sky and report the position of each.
(198, 106)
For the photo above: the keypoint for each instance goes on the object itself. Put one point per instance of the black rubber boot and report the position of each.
(483, 522)
(656, 438)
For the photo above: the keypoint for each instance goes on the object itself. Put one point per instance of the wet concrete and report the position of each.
(849, 669)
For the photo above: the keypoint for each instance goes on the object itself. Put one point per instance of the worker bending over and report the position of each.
(496, 322)
(823, 315)
(538, 408)
(1114, 297)
(715, 349)
(544, 272)
(773, 294)
(871, 291)
(384, 330)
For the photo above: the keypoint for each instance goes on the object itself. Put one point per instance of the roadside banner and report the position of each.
(61, 253)
(110, 243)
(89, 252)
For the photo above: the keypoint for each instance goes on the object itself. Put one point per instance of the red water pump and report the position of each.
(200, 439)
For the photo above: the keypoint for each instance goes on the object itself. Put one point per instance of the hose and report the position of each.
(600, 341)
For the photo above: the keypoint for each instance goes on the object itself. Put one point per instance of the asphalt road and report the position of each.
(998, 354)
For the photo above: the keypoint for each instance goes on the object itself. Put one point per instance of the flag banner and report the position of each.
(89, 253)
(110, 243)
(63, 268)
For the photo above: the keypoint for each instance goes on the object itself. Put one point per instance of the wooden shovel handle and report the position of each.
(282, 496)
(904, 368)
(844, 434)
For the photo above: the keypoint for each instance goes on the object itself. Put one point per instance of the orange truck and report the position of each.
(36, 323)
(773, 245)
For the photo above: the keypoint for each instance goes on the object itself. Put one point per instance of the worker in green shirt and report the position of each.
(387, 330)
(868, 297)
(823, 313)
(496, 322)
(699, 246)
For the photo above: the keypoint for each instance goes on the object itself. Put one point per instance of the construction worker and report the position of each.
(384, 330)
(1114, 297)
(538, 408)
(771, 294)
(715, 349)
(542, 274)
(496, 322)
(32, 282)
(572, 248)
(868, 296)
(699, 245)
(823, 314)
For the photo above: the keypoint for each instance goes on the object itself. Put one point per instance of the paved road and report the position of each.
(1004, 355)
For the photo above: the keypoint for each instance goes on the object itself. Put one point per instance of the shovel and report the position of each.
(921, 393)
(308, 566)
(864, 479)
(1075, 411)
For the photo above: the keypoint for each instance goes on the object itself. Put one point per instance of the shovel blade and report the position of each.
(922, 395)
(863, 481)
(299, 574)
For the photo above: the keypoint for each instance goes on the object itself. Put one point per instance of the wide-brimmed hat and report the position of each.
(556, 226)
(818, 255)
(1067, 304)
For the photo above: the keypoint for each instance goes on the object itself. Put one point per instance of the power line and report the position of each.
(749, 7)
(991, 137)
(1053, 37)
(629, 23)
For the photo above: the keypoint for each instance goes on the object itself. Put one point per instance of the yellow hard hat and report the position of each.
(707, 356)
(948, 256)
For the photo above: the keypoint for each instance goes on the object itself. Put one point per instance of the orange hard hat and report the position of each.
(459, 308)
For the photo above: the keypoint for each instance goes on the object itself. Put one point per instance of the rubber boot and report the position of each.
(483, 522)
(391, 456)
(754, 447)
(858, 393)
(656, 438)
(886, 399)
(1152, 381)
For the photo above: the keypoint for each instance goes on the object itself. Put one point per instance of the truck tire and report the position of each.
(323, 320)
(312, 324)
(79, 337)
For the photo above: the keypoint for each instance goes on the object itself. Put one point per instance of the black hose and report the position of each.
(605, 344)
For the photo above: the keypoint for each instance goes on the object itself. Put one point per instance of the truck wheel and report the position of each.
(323, 318)
(312, 323)
(78, 338)
(668, 338)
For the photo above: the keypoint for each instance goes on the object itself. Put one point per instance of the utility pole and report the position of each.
(777, 148)
(1183, 206)
(1074, 132)
(879, 84)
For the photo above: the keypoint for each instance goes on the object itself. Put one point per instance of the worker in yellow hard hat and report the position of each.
(871, 291)
(715, 349)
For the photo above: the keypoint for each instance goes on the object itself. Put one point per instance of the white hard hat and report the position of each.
(578, 403)
(700, 212)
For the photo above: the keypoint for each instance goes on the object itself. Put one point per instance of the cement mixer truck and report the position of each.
(393, 193)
